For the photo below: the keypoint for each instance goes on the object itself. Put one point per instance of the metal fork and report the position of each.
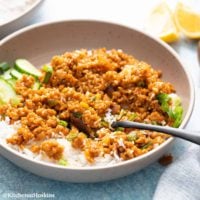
(184, 134)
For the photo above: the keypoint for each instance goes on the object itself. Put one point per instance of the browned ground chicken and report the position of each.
(83, 86)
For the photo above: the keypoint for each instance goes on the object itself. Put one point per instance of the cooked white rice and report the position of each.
(74, 157)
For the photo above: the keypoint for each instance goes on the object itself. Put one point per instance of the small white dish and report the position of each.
(20, 18)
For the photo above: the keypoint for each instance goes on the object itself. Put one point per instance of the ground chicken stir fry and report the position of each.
(87, 89)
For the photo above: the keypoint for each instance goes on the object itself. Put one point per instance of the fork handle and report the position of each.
(184, 134)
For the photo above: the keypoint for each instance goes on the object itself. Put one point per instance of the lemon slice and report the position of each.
(187, 21)
(161, 23)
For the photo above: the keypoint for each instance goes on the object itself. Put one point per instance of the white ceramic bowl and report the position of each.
(20, 20)
(39, 43)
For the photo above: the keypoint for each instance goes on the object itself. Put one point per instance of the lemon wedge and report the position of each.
(187, 21)
(161, 23)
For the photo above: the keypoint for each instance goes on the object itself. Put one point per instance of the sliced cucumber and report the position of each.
(4, 66)
(6, 75)
(49, 71)
(12, 81)
(24, 66)
(15, 74)
(6, 92)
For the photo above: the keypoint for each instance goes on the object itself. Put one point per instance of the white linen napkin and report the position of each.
(181, 179)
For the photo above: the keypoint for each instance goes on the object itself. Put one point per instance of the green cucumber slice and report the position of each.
(4, 66)
(6, 75)
(49, 71)
(6, 92)
(16, 74)
(24, 66)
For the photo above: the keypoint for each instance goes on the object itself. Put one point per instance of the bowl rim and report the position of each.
(127, 162)
(18, 17)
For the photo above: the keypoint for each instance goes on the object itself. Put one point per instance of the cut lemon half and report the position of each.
(161, 23)
(187, 21)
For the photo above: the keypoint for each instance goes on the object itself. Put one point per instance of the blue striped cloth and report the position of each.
(181, 180)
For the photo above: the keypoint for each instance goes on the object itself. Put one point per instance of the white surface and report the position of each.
(128, 12)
